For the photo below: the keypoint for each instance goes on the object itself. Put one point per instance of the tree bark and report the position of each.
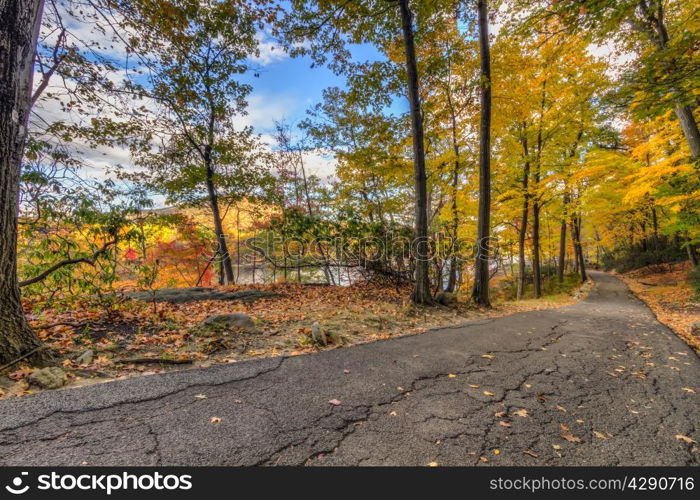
(578, 249)
(480, 292)
(19, 31)
(226, 276)
(522, 233)
(562, 251)
(421, 291)
(454, 261)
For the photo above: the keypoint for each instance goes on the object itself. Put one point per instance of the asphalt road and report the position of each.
(603, 372)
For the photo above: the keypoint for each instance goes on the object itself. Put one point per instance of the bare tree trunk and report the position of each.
(421, 292)
(578, 249)
(562, 251)
(19, 31)
(522, 233)
(480, 291)
(226, 274)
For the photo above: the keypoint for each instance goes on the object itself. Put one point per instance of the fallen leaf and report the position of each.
(432, 464)
(484, 459)
(487, 393)
(346, 371)
(504, 423)
(473, 386)
(531, 453)
(496, 452)
(392, 413)
(215, 420)
(521, 413)
(334, 402)
(499, 414)
(688, 440)
(563, 427)
(688, 389)
(599, 435)
(571, 438)
(200, 396)
(579, 421)
(487, 356)
(561, 408)
(452, 375)
(556, 447)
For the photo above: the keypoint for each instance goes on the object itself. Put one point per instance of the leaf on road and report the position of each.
(521, 413)
(484, 459)
(564, 427)
(473, 386)
(487, 356)
(688, 389)
(571, 438)
(392, 413)
(496, 451)
(561, 408)
(556, 447)
(688, 440)
(504, 423)
(499, 414)
(599, 435)
(432, 464)
(452, 375)
(334, 402)
(200, 396)
(215, 420)
(531, 453)
(487, 393)
(346, 371)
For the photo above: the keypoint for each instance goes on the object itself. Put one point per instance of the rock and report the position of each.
(695, 329)
(446, 298)
(85, 358)
(51, 377)
(317, 335)
(183, 295)
(235, 320)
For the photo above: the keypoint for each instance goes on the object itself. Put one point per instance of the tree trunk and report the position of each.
(21, 21)
(480, 292)
(562, 251)
(578, 249)
(421, 292)
(226, 274)
(536, 272)
(690, 129)
(522, 233)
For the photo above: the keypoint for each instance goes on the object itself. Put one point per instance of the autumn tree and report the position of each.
(189, 57)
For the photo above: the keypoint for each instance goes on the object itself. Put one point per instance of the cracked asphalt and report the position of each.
(604, 369)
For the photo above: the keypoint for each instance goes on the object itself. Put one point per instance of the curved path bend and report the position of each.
(603, 373)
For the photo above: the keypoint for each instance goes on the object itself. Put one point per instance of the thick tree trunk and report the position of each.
(690, 129)
(19, 31)
(226, 276)
(421, 292)
(480, 292)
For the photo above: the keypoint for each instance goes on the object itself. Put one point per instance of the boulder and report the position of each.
(85, 358)
(183, 295)
(240, 321)
(51, 377)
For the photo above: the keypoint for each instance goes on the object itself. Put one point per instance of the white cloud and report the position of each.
(270, 52)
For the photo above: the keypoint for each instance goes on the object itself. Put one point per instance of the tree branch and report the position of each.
(68, 262)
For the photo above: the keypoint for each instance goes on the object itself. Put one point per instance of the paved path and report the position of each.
(604, 366)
